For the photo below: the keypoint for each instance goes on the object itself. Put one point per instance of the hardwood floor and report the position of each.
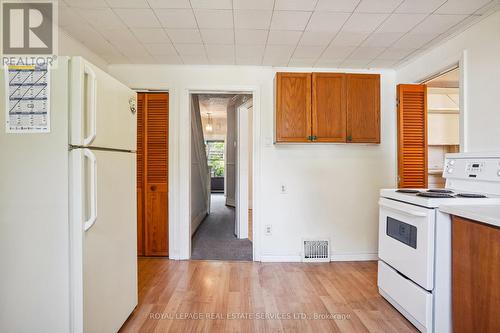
(174, 294)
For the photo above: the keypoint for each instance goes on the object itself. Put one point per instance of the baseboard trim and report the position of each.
(333, 257)
(230, 202)
(197, 221)
(353, 256)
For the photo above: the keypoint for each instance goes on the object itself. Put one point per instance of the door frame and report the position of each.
(460, 61)
(181, 226)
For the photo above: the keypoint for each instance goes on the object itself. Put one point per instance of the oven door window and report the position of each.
(403, 232)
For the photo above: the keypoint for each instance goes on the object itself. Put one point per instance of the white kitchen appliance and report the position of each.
(68, 209)
(414, 270)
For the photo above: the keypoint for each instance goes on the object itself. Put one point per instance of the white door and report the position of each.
(101, 112)
(104, 239)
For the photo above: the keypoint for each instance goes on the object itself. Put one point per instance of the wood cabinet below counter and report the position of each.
(327, 107)
(475, 276)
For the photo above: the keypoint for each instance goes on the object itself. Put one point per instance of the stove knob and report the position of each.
(450, 170)
(498, 173)
(452, 162)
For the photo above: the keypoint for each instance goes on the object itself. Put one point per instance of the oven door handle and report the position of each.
(403, 211)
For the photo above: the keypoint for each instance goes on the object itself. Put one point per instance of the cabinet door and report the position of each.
(329, 107)
(363, 108)
(293, 107)
(412, 136)
(156, 175)
(475, 276)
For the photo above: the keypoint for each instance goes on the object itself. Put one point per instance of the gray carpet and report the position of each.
(215, 239)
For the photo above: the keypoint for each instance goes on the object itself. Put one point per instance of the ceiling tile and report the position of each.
(279, 52)
(364, 22)
(251, 37)
(354, 63)
(138, 18)
(118, 35)
(416, 40)
(346, 38)
(284, 37)
(160, 49)
(116, 58)
(214, 18)
(190, 59)
(132, 49)
(382, 39)
(328, 63)
(395, 54)
(226, 60)
(156, 35)
(419, 6)
(190, 49)
(308, 51)
(316, 38)
(252, 19)
(327, 21)
(249, 61)
(101, 18)
(289, 20)
(128, 3)
(254, 4)
(302, 62)
(438, 23)
(184, 35)
(69, 16)
(377, 6)
(274, 61)
(141, 59)
(401, 22)
(249, 51)
(367, 53)
(346, 6)
(219, 51)
(87, 3)
(218, 36)
(172, 59)
(461, 6)
(177, 18)
(380, 63)
(169, 4)
(212, 4)
(295, 4)
(337, 52)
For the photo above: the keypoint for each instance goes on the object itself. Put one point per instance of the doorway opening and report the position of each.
(443, 122)
(221, 168)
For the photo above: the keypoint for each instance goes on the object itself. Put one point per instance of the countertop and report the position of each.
(489, 214)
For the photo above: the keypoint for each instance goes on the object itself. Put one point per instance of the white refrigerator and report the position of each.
(68, 208)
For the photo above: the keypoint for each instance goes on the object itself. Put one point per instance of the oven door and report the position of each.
(406, 240)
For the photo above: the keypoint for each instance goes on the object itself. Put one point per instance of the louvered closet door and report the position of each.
(140, 174)
(412, 135)
(156, 174)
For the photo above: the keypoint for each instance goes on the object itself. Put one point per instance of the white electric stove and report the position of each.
(414, 272)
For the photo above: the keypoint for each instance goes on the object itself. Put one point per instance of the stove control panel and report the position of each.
(485, 169)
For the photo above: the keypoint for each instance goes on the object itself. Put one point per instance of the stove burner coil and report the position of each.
(471, 195)
(435, 195)
(437, 190)
(404, 190)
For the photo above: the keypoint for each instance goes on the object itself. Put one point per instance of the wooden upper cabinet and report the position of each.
(329, 107)
(363, 108)
(293, 107)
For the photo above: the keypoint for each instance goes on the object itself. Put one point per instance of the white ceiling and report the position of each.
(299, 33)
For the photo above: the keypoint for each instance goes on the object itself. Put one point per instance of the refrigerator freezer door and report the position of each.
(102, 113)
(104, 265)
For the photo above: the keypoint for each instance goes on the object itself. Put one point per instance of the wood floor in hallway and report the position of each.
(230, 296)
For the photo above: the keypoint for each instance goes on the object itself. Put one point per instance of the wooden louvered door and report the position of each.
(412, 136)
(140, 174)
(154, 157)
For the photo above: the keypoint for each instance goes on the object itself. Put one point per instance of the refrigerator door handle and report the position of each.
(92, 100)
(93, 190)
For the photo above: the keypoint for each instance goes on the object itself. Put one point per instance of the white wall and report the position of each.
(481, 44)
(332, 189)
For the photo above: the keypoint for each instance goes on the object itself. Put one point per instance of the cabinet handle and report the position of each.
(309, 137)
(314, 137)
(349, 138)
(153, 188)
